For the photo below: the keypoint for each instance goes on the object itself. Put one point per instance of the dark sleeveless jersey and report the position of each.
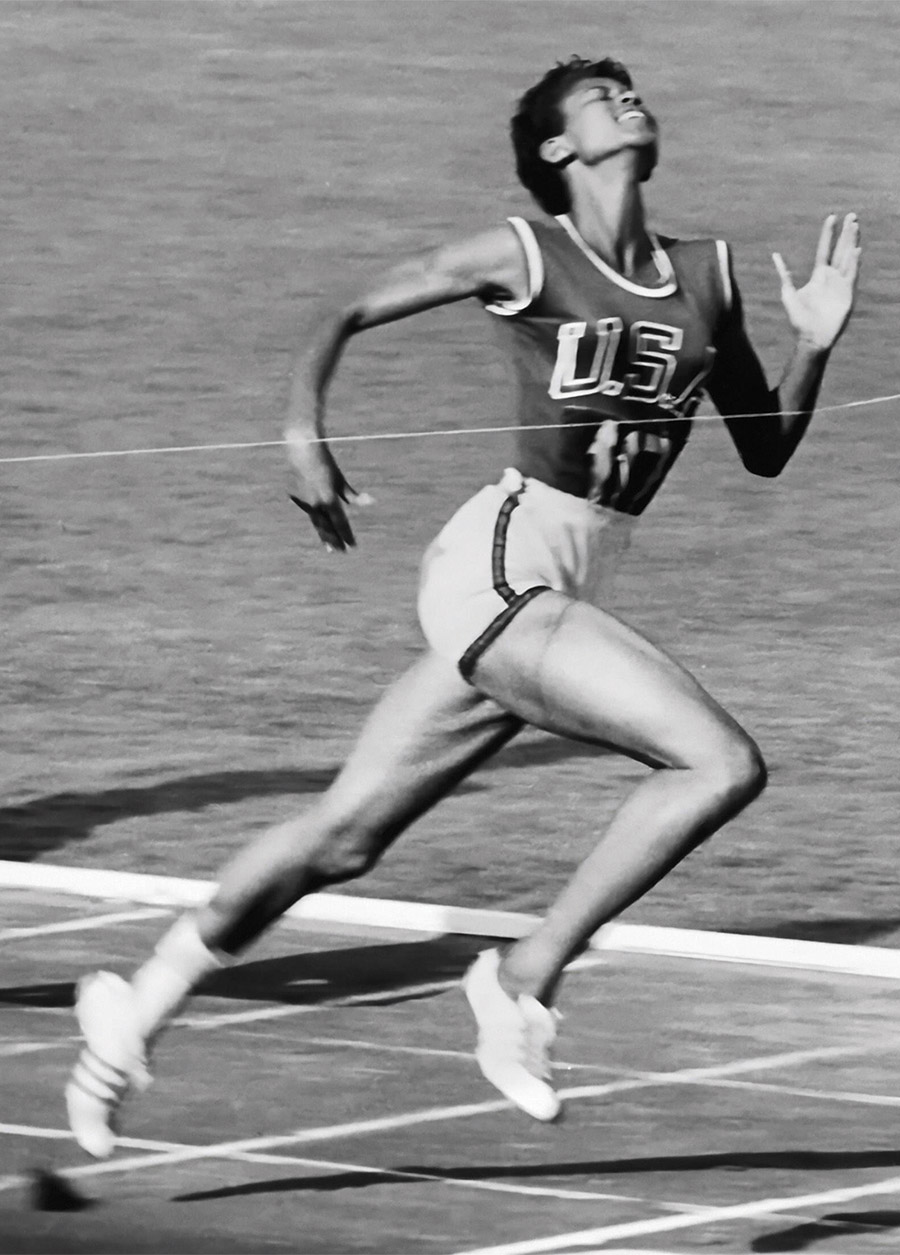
(595, 356)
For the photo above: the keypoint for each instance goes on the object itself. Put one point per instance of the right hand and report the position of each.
(322, 490)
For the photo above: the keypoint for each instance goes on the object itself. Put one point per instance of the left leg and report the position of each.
(575, 670)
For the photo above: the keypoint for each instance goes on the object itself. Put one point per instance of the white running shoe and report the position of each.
(514, 1039)
(112, 1063)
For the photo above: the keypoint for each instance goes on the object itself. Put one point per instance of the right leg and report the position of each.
(427, 733)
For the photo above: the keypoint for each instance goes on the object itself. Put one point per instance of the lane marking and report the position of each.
(377, 997)
(796, 1091)
(65, 1135)
(760, 1063)
(82, 923)
(331, 1165)
(250, 1157)
(299, 1137)
(463, 1056)
(342, 910)
(668, 1224)
(31, 1047)
(430, 1115)
(495, 1187)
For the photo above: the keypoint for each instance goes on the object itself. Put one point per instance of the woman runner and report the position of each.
(614, 333)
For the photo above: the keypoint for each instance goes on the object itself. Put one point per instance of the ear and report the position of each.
(557, 150)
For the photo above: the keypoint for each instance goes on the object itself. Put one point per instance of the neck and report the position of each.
(608, 212)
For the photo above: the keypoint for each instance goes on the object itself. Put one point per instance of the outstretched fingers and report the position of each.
(845, 257)
(841, 253)
(826, 235)
(787, 283)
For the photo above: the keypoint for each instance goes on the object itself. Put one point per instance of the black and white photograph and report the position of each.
(450, 479)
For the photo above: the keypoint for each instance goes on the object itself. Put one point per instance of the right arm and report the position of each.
(490, 266)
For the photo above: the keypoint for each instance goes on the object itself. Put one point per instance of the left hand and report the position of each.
(325, 491)
(820, 310)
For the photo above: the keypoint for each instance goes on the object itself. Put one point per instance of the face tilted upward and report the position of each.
(602, 117)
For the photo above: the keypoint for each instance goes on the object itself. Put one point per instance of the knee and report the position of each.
(739, 769)
(343, 855)
(347, 845)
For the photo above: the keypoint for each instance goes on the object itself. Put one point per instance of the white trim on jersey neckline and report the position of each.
(660, 257)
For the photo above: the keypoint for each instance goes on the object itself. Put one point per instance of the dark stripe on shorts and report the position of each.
(498, 549)
(514, 601)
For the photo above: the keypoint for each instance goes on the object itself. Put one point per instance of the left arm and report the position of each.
(818, 314)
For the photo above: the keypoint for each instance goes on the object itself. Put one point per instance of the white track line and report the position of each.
(282, 1012)
(11, 1050)
(342, 910)
(668, 1224)
(331, 1165)
(83, 923)
(299, 1137)
(493, 1187)
(358, 1043)
(761, 1063)
(136, 1143)
(377, 997)
(201, 1022)
(64, 1135)
(796, 1091)
(431, 1115)
(425, 1052)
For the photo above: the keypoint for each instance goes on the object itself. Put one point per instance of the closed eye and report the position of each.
(597, 93)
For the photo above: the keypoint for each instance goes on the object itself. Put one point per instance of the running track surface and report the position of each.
(321, 1097)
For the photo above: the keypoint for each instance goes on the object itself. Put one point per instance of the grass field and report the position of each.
(182, 665)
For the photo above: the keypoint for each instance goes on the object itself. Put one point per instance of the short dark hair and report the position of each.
(538, 117)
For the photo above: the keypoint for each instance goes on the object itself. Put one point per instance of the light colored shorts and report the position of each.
(504, 547)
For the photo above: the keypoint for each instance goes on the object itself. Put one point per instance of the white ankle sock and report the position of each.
(162, 985)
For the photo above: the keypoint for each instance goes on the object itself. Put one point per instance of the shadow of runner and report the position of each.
(319, 976)
(344, 972)
(848, 931)
(802, 1237)
(411, 1173)
(33, 828)
(30, 829)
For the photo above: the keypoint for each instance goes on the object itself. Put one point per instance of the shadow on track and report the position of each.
(803, 1237)
(382, 971)
(35, 827)
(805, 1160)
(847, 932)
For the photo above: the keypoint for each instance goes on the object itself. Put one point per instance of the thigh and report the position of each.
(429, 730)
(576, 670)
